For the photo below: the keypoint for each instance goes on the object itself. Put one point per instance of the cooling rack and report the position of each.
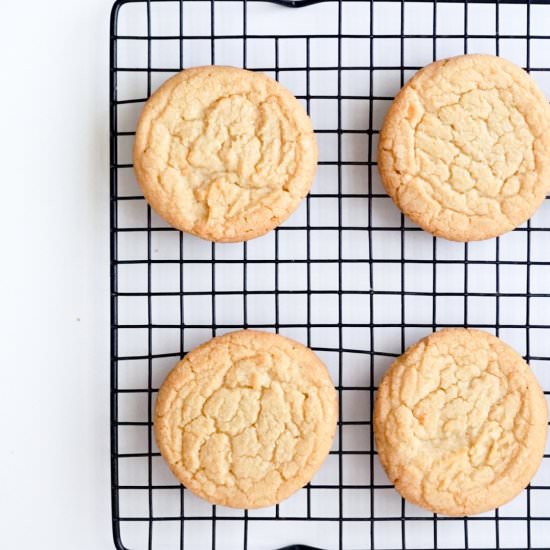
(347, 274)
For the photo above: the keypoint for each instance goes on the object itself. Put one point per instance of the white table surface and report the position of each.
(54, 474)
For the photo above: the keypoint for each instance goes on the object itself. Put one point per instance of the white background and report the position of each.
(54, 410)
(54, 458)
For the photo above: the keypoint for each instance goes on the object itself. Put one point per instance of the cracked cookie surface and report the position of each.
(224, 153)
(465, 147)
(460, 422)
(246, 419)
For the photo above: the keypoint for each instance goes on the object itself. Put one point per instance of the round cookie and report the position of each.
(460, 422)
(224, 153)
(246, 419)
(465, 147)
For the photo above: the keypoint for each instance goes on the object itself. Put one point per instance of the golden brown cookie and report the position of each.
(465, 147)
(460, 422)
(246, 419)
(224, 153)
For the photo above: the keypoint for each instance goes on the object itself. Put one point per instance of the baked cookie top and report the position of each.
(224, 153)
(246, 419)
(460, 422)
(465, 147)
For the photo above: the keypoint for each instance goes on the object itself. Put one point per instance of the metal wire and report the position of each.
(139, 279)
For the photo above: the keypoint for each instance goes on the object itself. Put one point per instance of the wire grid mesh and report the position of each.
(347, 274)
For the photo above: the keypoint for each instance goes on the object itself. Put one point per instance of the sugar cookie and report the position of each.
(460, 422)
(224, 153)
(465, 147)
(246, 419)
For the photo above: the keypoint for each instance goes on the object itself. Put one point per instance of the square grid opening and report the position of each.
(347, 274)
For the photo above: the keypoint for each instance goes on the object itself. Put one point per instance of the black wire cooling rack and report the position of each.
(347, 275)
